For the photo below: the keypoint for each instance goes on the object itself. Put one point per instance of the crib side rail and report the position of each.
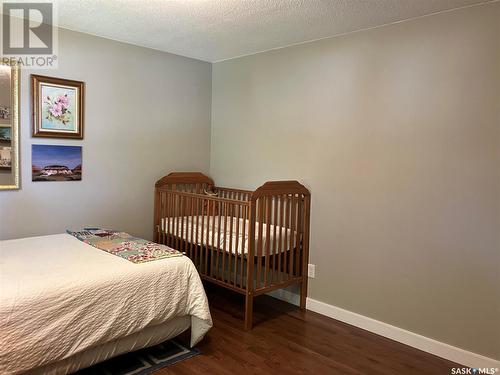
(202, 226)
(281, 247)
(230, 193)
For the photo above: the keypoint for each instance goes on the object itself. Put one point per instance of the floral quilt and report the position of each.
(133, 249)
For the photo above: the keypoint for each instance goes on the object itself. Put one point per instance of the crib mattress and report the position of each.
(204, 230)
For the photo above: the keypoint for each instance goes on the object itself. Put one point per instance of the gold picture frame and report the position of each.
(57, 107)
(13, 181)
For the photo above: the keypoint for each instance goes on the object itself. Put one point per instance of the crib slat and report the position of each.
(163, 214)
(170, 215)
(258, 231)
(168, 220)
(216, 242)
(179, 222)
(280, 242)
(286, 225)
(298, 243)
(193, 243)
(176, 222)
(224, 247)
(231, 235)
(167, 217)
(215, 239)
(244, 227)
(222, 233)
(268, 238)
(172, 230)
(213, 246)
(289, 233)
(163, 219)
(198, 247)
(178, 219)
(187, 238)
(181, 215)
(172, 220)
(250, 272)
(185, 215)
(236, 246)
(210, 228)
(293, 208)
(190, 225)
(275, 237)
(217, 245)
(157, 220)
(185, 232)
(204, 242)
(210, 237)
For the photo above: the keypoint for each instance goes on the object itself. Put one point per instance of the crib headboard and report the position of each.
(272, 188)
(192, 182)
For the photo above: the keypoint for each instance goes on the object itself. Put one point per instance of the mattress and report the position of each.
(204, 230)
(60, 297)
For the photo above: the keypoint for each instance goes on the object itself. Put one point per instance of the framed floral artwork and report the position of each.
(57, 107)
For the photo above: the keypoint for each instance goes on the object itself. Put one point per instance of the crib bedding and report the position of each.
(60, 296)
(204, 230)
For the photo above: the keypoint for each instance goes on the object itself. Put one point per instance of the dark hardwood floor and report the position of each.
(288, 341)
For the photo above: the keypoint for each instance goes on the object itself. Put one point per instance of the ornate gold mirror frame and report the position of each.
(10, 181)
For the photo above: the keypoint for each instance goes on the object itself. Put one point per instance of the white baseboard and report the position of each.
(403, 336)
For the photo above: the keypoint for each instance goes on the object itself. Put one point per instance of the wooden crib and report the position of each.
(214, 227)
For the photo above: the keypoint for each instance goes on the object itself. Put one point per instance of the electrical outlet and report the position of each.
(311, 271)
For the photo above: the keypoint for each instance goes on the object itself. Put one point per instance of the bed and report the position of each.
(65, 305)
(251, 242)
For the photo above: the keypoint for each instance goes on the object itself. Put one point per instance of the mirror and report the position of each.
(9, 127)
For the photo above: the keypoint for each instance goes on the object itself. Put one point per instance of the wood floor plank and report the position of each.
(286, 340)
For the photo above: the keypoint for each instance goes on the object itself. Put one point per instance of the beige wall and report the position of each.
(396, 131)
(147, 113)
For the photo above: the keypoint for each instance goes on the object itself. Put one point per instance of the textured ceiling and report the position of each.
(214, 30)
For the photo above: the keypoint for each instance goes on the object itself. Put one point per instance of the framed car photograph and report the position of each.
(56, 163)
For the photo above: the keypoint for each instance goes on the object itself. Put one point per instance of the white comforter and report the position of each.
(59, 296)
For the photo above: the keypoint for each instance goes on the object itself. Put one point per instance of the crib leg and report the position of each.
(248, 312)
(303, 293)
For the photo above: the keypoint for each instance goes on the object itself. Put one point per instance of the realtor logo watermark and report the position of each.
(474, 371)
(29, 34)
